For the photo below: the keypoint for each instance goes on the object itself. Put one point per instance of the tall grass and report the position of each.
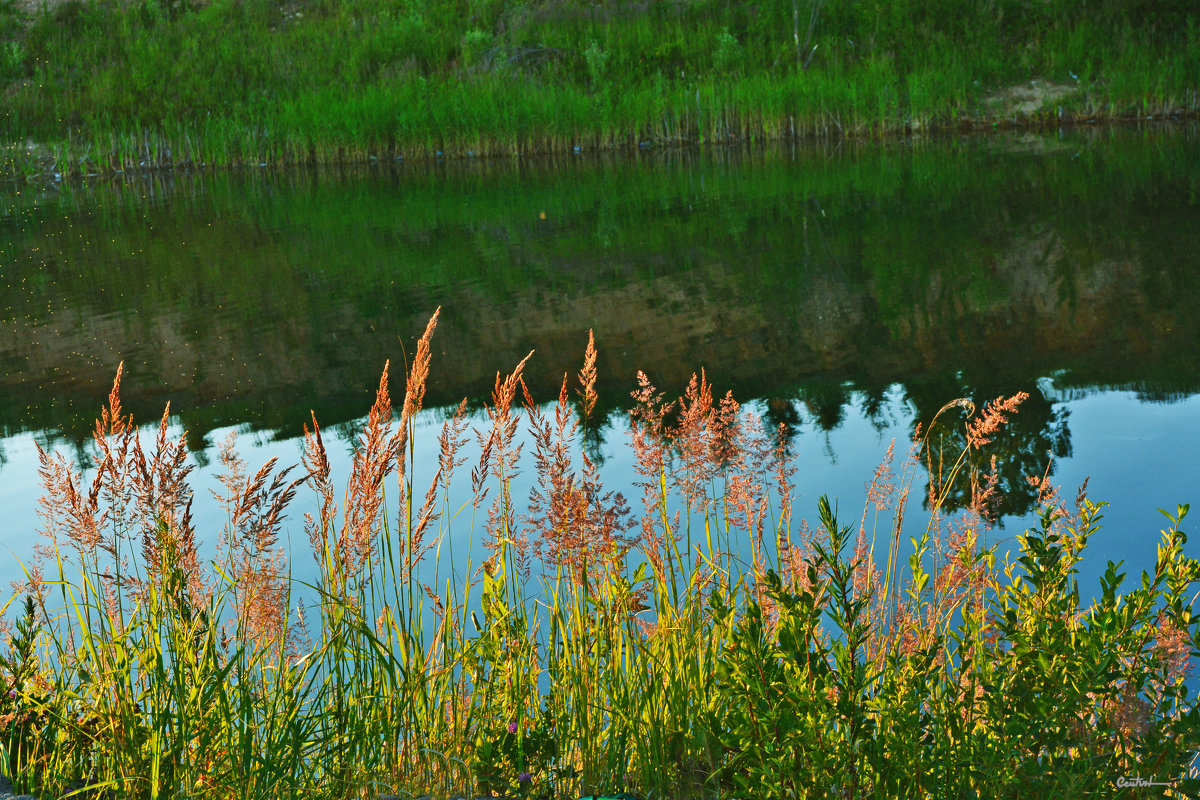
(704, 644)
(105, 86)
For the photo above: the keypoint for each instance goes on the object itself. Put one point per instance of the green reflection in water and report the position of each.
(969, 266)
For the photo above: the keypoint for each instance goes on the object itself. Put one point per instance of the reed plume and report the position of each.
(375, 453)
(587, 378)
(256, 506)
(498, 449)
(315, 462)
(995, 414)
(696, 439)
(647, 431)
(414, 397)
(575, 523)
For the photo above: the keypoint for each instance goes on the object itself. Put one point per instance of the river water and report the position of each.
(847, 289)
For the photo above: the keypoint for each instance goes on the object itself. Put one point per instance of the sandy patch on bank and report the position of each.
(33, 7)
(1026, 98)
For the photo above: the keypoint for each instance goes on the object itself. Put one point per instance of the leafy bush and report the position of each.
(12, 49)
(596, 59)
(727, 54)
(475, 45)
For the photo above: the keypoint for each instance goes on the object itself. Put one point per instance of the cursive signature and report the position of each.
(1137, 781)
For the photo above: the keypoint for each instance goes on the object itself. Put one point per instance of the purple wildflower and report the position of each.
(523, 777)
(512, 726)
(12, 693)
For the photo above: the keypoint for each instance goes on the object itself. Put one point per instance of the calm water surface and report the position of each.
(848, 290)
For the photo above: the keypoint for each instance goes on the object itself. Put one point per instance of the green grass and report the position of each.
(707, 643)
(102, 85)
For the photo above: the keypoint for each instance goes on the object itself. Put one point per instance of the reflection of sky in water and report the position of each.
(1139, 456)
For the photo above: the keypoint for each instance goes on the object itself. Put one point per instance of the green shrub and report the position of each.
(475, 46)
(727, 54)
(596, 59)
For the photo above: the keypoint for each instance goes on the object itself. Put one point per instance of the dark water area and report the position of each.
(849, 290)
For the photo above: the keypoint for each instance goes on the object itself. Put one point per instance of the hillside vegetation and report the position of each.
(92, 85)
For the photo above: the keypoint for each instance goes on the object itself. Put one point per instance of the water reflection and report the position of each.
(807, 278)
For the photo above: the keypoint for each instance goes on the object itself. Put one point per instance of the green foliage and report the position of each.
(24, 694)
(475, 46)
(727, 53)
(777, 697)
(12, 48)
(233, 81)
(596, 59)
(513, 758)
(1070, 697)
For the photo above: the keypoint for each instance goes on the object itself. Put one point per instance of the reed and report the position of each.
(702, 645)
(262, 83)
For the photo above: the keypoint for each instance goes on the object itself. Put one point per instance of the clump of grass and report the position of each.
(703, 645)
(268, 83)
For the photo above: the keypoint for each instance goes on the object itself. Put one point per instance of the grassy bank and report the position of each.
(708, 642)
(96, 85)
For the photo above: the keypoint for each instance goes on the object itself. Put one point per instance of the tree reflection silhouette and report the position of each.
(1023, 449)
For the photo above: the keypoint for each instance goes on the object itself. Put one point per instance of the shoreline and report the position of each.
(58, 161)
(8, 793)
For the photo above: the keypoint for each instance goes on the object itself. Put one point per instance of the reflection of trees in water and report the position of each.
(782, 411)
(1026, 447)
(594, 431)
(874, 405)
(826, 401)
(1164, 396)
